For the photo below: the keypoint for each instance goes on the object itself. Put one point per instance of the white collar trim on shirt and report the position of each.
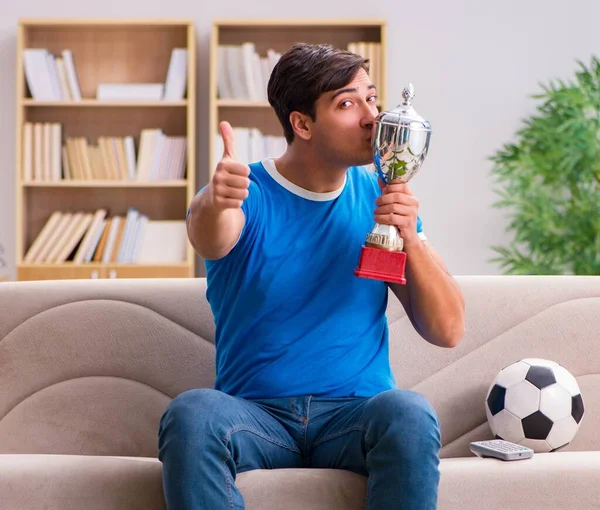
(269, 165)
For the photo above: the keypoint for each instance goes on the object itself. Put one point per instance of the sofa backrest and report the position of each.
(88, 366)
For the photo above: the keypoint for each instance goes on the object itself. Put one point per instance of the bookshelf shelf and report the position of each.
(92, 265)
(239, 97)
(103, 185)
(70, 270)
(95, 103)
(237, 103)
(107, 184)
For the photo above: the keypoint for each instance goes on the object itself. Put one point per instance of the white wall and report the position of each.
(474, 65)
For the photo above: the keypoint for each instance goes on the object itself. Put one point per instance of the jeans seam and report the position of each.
(227, 482)
(240, 428)
(306, 427)
(341, 433)
(369, 479)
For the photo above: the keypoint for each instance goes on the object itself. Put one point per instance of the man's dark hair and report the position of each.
(303, 73)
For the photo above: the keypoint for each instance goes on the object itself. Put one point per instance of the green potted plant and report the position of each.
(549, 180)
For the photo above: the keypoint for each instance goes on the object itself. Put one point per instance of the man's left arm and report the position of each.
(431, 297)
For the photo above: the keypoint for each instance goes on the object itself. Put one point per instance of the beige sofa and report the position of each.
(87, 368)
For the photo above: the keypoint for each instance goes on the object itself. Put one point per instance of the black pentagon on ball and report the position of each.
(540, 377)
(496, 399)
(536, 425)
(577, 408)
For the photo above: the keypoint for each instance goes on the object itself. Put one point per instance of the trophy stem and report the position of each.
(385, 237)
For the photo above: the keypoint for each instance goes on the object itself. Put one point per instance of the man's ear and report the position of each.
(301, 124)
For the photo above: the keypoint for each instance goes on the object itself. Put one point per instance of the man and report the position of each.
(303, 374)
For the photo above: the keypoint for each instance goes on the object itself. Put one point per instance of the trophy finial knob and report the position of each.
(407, 94)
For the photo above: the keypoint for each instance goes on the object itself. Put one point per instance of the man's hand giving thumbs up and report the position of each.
(229, 186)
(216, 218)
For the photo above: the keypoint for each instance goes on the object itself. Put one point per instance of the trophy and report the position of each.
(400, 143)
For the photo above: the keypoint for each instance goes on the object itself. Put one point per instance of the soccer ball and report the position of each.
(536, 403)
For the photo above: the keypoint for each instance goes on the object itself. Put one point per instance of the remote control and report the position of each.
(499, 449)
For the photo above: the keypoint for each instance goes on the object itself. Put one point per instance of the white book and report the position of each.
(53, 70)
(248, 51)
(235, 71)
(38, 152)
(130, 91)
(160, 159)
(71, 75)
(266, 74)
(160, 142)
(95, 241)
(55, 152)
(37, 74)
(176, 75)
(62, 77)
(130, 157)
(256, 145)
(259, 84)
(181, 159)
(46, 152)
(223, 85)
(90, 235)
(139, 233)
(242, 144)
(130, 221)
(27, 162)
(148, 139)
(162, 242)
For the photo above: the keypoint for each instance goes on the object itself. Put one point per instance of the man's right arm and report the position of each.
(216, 219)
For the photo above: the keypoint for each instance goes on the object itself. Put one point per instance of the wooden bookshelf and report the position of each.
(279, 35)
(115, 51)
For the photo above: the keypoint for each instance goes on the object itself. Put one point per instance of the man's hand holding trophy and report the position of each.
(400, 144)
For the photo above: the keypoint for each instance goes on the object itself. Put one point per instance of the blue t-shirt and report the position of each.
(291, 317)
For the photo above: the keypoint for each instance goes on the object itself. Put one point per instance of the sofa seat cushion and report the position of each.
(556, 480)
(81, 482)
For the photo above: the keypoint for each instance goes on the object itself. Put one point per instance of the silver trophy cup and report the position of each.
(400, 144)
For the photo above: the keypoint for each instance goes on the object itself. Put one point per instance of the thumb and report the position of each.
(228, 140)
(381, 184)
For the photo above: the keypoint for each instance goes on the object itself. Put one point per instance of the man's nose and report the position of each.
(368, 119)
(369, 116)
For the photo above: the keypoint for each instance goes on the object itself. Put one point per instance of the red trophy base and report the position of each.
(380, 264)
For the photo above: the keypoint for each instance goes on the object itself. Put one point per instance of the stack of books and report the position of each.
(83, 237)
(242, 73)
(47, 159)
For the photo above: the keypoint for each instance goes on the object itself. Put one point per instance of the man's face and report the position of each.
(344, 121)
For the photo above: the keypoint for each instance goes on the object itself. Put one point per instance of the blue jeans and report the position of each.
(206, 437)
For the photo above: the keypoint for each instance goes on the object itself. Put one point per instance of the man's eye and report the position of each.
(373, 99)
(346, 103)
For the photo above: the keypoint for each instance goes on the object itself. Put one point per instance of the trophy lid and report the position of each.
(404, 113)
